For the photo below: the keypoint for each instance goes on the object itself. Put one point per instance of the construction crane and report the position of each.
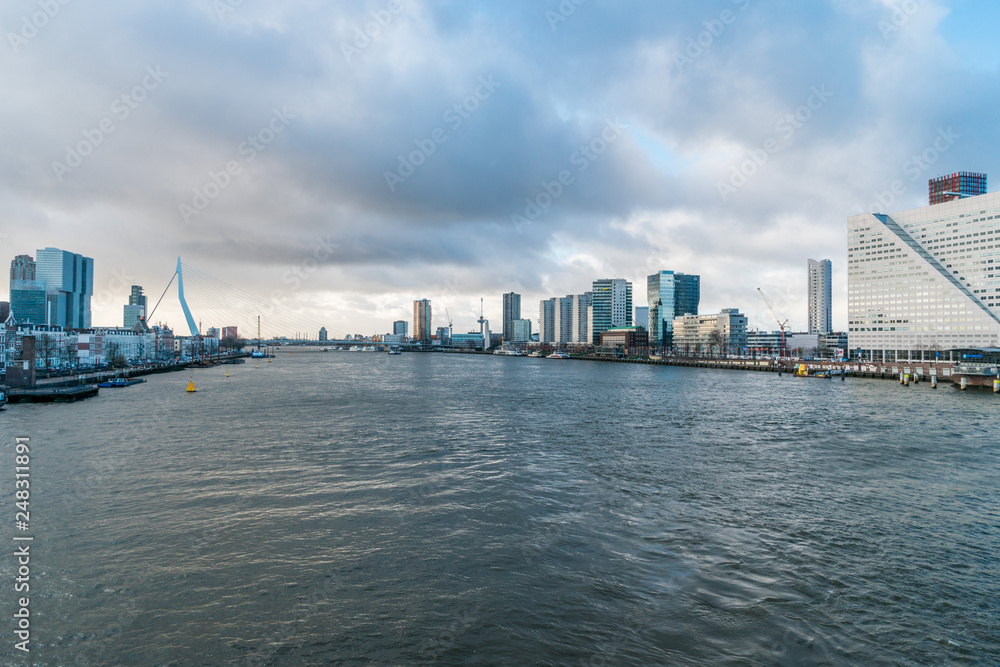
(446, 314)
(781, 324)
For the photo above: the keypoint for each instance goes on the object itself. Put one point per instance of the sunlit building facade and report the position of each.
(925, 280)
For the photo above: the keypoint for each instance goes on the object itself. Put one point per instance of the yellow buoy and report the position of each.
(258, 365)
(268, 361)
(227, 373)
(191, 386)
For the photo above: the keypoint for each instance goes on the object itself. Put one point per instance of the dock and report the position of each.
(51, 394)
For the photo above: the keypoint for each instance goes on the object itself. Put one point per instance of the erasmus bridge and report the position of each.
(221, 304)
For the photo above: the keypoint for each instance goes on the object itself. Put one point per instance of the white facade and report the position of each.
(694, 333)
(546, 320)
(562, 325)
(820, 296)
(925, 279)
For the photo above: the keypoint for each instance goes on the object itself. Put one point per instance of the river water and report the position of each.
(360, 508)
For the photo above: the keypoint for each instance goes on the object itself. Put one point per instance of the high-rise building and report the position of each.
(136, 308)
(4, 312)
(612, 306)
(323, 336)
(27, 295)
(522, 331)
(582, 306)
(69, 284)
(924, 281)
(668, 296)
(819, 296)
(22, 267)
(27, 301)
(136, 297)
(956, 186)
(400, 328)
(229, 332)
(511, 312)
(547, 320)
(422, 320)
(562, 320)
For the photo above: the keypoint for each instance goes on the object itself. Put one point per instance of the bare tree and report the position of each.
(69, 353)
(45, 349)
(716, 340)
(113, 354)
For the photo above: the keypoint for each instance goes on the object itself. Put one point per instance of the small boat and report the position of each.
(393, 350)
(120, 382)
(504, 352)
(326, 349)
(558, 355)
(258, 354)
(802, 371)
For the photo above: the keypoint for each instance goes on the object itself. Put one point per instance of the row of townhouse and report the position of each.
(56, 348)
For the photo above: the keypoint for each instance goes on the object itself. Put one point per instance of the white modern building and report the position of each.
(583, 312)
(925, 280)
(546, 320)
(562, 324)
(698, 334)
(820, 296)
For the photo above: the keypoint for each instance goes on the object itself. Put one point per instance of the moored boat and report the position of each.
(120, 382)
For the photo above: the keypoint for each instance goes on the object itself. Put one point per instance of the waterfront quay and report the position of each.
(84, 385)
(917, 370)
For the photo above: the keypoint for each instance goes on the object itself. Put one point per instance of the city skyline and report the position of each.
(501, 159)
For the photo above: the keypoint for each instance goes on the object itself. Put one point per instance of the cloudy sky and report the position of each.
(339, 159)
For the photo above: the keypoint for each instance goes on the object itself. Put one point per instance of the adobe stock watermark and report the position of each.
(786, 127)
(31, 25)
(454, 116)
(902, 12)
(363, 38)
(714, 27)
(914, 167)
(565, 9)
(121, 110)
(249, 149)
(581, 158)
(223, 7)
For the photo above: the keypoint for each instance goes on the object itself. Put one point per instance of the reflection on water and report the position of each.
(446, 509)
